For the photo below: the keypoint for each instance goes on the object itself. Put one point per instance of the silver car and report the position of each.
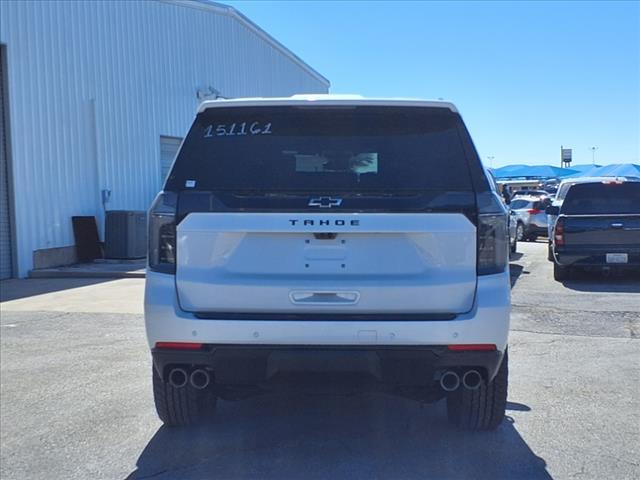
(531, 218)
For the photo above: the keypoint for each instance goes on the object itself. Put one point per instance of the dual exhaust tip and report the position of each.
(451, 381)
(199, 378)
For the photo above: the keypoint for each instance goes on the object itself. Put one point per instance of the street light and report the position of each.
(490, 158)
(593, 154)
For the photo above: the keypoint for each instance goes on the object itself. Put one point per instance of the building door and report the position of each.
(168, 150)
(5, 216)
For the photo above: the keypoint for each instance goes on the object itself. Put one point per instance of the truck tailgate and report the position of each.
(602, 230)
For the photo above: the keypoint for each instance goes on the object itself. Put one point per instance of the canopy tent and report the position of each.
(533, 171)
(506, 170)
(582, 169)
(614, 170)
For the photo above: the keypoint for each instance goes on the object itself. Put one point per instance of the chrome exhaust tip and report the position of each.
(449, 381)
(199, 379)
(178, 377)
(472, 380)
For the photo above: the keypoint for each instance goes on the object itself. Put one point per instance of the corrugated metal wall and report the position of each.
(6, 262)
(92, 87)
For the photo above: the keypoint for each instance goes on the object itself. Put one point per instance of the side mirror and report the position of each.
(552, 210)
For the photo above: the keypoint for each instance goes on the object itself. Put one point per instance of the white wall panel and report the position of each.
(92, 87)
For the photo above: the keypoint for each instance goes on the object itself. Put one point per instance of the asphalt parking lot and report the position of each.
(76, 397)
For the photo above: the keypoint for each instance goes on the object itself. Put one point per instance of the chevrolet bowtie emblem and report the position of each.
(325, 202)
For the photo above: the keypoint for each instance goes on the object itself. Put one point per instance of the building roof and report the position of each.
(229, 11)
(324, 99)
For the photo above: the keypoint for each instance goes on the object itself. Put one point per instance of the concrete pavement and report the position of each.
(76, 398)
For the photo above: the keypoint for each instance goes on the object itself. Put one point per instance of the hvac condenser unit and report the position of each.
(125, 234)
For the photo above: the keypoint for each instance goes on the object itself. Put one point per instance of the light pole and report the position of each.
(593, 154)
(490, 158)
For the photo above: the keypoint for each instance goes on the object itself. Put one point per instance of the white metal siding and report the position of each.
(94, 84)
(5, 222)
(168, 149)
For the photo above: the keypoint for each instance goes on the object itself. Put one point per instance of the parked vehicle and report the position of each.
(598, 227)
(513, 231)
(531, 217)
(328, 234)
(512, 218)
(563, 189)
(531, 193)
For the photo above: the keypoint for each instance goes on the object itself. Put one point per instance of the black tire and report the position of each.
(550, 252)
(532, 238)
(560, 272)
(483, 408)
(181, 407)
(514, 245)
(520, 232)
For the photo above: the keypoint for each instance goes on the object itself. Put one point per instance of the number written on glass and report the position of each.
(237, 129)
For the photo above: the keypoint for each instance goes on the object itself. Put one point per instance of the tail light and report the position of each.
(534, 211)
(162, 233)
(472, 347)
(558, 232)
(493, 239)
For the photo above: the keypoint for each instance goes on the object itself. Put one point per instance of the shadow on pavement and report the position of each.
(515, 271)
(594, 281)
(15, 289)
(518, 407)
(515, 256)
(285, 436)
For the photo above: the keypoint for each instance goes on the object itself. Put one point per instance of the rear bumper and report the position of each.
(533, 229)
(596, 258)
(256, 365)
(487, 322)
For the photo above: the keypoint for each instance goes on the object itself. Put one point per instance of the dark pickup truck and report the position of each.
(598, 227)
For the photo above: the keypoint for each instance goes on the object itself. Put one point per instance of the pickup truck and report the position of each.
(563, 189)
(598, 226)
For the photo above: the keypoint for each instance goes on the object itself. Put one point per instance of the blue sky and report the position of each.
(527, 77)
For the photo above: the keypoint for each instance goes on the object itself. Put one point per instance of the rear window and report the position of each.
(603, 198)
(519, 204)
(322, 149)
(562, 191)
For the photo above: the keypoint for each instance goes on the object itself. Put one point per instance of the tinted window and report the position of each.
(603, 198)
(518, 204)
(322, 149)
(562, 191)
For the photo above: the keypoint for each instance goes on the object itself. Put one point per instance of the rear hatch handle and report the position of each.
(308, 297)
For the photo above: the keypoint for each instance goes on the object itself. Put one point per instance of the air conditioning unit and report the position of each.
(125, 234)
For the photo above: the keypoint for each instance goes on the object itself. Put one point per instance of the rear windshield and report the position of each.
(322, 149)
(562, 191)
(603, 198)
(518, 204)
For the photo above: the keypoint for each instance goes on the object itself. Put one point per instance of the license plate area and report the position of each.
(617, 258)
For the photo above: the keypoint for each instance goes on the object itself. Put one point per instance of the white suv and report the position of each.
(302, 237)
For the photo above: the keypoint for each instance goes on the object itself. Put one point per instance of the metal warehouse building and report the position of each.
(96, 96)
